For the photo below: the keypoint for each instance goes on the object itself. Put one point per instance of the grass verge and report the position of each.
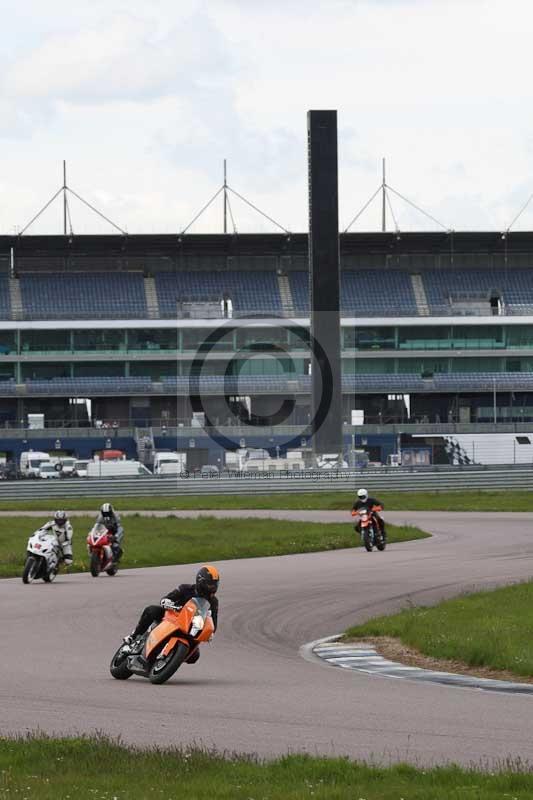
(489, 629)
(38, 767)
(155, 541)
(461, 500)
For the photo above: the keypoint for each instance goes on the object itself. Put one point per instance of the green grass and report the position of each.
(461, 500)
(155, 541)
(48, 769)
(487, 629)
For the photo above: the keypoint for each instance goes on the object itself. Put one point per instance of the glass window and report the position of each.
(519, 336)
(44, 342)
(108, 369)
(368, 366)
(104, 340)
(476, 364)
(153, 339)
(44, 371)
(156, 370)
(207, 340)
(422, 366)
(262, 338)
(477, 337)
(299, 339)
(369, 338)
(423, 338)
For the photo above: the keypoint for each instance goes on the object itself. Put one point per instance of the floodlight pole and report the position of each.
(64, 198)
(383, 199)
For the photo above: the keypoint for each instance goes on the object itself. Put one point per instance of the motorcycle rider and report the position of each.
(109, 517)
(205, 585)
(373, 504)
(60, 525)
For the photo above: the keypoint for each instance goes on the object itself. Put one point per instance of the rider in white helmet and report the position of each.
(62, 528)
(372, 503)
(109, 517)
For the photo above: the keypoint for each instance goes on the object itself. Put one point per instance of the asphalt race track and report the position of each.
(252, 691)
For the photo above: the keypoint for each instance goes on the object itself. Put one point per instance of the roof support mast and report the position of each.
(225, 199)
(383, 200)
(64, 198)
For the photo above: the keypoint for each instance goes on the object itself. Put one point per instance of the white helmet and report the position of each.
(362, 494)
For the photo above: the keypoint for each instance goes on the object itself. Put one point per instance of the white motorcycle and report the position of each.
(42, 559)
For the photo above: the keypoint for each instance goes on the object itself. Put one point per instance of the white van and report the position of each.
(80, 469)
(169, 463)
(117, 469)
(30, 461)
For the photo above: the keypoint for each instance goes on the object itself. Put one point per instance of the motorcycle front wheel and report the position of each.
(95, 565)
(119, 665)
(31, 568)
(164, 668)
(367, 540)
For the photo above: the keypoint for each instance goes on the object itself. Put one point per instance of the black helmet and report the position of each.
(60, 518)
(207, 580)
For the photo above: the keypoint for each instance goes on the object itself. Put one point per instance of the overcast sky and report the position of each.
(145, 100)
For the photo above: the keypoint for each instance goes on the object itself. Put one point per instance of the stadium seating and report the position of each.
(87, 386)
(363, 293)
(5, 300)
(515, 286)
(253, 293)
(80, 295)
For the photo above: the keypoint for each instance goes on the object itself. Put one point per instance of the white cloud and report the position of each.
(145, 100)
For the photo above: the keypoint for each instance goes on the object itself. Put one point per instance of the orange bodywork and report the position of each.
(174, 623)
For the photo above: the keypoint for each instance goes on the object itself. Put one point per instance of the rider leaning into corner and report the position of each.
(109, 517)
(205, 585)
(60, 525)
(373, 504)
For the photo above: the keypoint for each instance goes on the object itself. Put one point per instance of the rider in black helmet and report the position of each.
(205, 585)
(109, 517)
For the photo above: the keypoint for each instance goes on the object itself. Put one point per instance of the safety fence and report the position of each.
(519, 477)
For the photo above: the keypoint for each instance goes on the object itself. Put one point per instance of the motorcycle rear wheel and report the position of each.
(30, 570)
(50, 576)
(112, 570)
(119, 666)
(95, 565)
(161, 672)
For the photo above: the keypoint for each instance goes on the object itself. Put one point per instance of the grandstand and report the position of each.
(116, 331)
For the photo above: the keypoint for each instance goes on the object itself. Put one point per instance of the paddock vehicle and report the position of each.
(371, 533)
(99, 542)
(159, 652)
(117, 469)
(42, 558)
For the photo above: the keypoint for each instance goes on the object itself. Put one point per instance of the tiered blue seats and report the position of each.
(83, 295)
(254, 293)
(5, 299)
(515, 286)
(364, 292)
(84, 386)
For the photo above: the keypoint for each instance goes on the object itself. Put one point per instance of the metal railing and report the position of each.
(403, 480)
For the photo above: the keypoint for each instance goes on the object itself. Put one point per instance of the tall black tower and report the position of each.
(324, 281)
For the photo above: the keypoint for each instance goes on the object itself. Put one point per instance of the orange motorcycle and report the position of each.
(372, 534)
(159, 652)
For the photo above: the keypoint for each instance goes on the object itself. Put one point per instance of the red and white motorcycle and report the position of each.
(99, 543)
